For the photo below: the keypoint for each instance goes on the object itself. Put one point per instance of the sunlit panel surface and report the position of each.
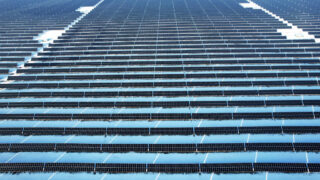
(160, 89)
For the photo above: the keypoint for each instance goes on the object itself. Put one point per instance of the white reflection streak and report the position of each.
(117, 123)
(273, 110)
(25, 139)
(312, 107)
(205, 159)
(248, 138)
(36, 124)
(112, 139)
(197, 110)
(202, 139)
(12, 157)
(69, 139)
(52, 175)
(157, 124)
(160, 107)
(267, 175)
(76, 124)
(256, 157)
(211, 177)
(156, 140)
(108, 157)
(103, 177)
(59, 157)
(293, 138)
(157, 177)
(200, 123)
(156, 158)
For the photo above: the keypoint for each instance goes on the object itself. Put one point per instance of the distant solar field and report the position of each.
(160, 89)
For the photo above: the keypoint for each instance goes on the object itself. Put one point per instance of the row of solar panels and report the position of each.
(160, 148)
(167, 13)
(173, 43)
(132, 25)
(198, 55)
(183, 39)
(176, 54)
(164, 49)
(163, 168)
(20, 37)
(163, 116)
(161, 47)
(173, 32)
(2, 54)
(172, 68)
(85, 34)
(88, 32)
(26, 131)
(99, 46)
(4, 71)
(162, 84)
(95, 62)
(271, 41)
(154, 36)
(163, 104)
(12, 59)
(130, 29)
(8, 32)
(180, 27)
(7, 64)
(187, 56)
(25, 25)
(181, 23)
(173, 93)
(164, 76)
(167, 51)
(134, 22)
(17, 49)
(17, 45)
(17, 41)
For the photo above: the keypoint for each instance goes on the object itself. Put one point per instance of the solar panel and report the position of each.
(21, 167)
(280, 167)
(222, 168)
(174, 168)
(69, 167)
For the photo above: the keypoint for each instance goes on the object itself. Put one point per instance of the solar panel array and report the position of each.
(301, 13)
(22, 20)
(148, 87)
